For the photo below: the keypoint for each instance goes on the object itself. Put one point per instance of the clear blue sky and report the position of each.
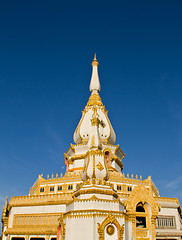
(46, 50)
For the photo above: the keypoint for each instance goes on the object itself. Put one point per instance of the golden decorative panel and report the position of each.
(35, 220)
(141, 233)
(32, 231)
(99, 166)
(94, 100)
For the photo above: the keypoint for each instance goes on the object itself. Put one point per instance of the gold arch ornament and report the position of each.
(110, 219)
(141, 194)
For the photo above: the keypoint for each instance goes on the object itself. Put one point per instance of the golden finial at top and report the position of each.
(95, 62)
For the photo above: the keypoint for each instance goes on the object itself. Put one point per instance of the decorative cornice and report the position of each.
(75, 169)
(78, 156)
(37, 200)
(167, 200)
(119, 177)
(169, 234)
(97, 191)
(91, 213)
(32, 231)
(94, 198)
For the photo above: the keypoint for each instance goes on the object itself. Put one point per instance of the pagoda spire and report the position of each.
(85, 130)
(95, 83)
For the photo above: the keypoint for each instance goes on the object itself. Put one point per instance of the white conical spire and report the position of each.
(95, 83)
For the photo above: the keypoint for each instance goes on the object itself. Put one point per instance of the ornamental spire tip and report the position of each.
(95, 83)
(95, 62)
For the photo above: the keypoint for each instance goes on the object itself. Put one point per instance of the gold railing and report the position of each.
(35, 200)
(167, 199)
(35, 220)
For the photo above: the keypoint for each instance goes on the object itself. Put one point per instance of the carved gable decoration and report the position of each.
(143, 195)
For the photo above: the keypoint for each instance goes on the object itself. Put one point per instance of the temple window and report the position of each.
(18, 238)
(119, 187)
(42, 189)
(165, 222)
(37, 238)
(51, 189)
(140, 209)
(129, 189)
(140, 216)
(59, 188)
(70, 187)
(140, 222)
(107, 154)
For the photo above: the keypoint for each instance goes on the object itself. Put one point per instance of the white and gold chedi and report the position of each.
(94, 200)
(84, 128)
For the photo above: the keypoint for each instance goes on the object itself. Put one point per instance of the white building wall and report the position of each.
(78, 163)
(85, 228)
(171, 212)
(79, 228)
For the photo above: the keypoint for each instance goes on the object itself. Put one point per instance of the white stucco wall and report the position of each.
(85, 228)
(78, 163)
(79, 228)
(115, 165)
(171, 212)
